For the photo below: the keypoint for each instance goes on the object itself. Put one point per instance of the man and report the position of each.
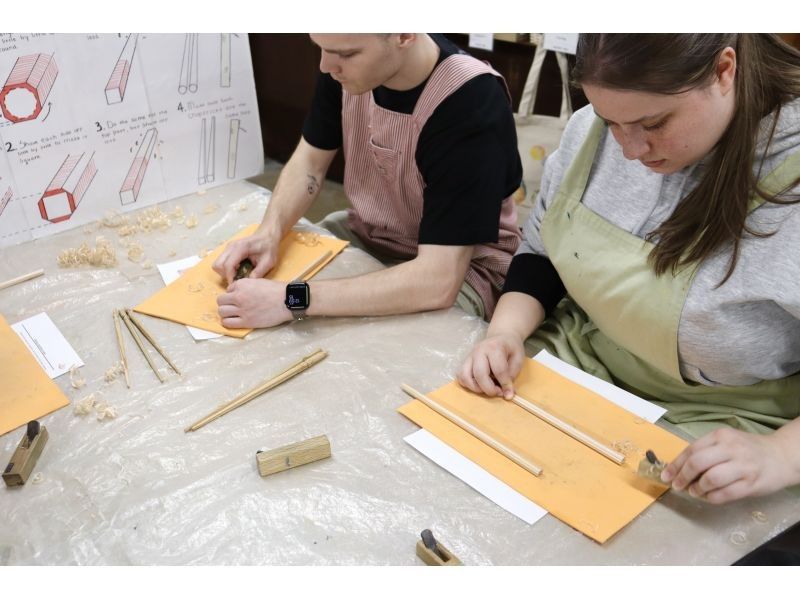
(430, 164)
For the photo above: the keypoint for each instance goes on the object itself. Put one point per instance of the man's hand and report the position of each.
(492, 366)
(727, 465)
(261, 251)
(254, 303)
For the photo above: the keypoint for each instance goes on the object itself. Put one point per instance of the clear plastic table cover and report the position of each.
(137, 489)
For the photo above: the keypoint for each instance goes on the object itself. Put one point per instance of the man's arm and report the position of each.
(298, 186)
(429, 281)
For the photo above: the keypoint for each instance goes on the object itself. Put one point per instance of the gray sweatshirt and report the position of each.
(748, 329)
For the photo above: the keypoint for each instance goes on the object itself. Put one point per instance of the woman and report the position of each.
(668, 217)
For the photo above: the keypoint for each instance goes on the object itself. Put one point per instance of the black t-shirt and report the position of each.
(466, 153)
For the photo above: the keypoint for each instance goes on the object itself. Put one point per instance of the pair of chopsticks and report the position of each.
(506, 451)
(136, 328)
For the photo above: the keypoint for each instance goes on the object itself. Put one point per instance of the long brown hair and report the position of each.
(713, 216)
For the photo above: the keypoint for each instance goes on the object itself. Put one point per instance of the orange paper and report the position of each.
(578, 485)
(192, 298)
(26, 391)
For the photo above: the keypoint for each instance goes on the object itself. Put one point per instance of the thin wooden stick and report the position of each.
(121, 348)
(313, 265)
(139, 344)
(251, 394)
(151, 340)
(476, 432)
(23, 278)
(551, 419)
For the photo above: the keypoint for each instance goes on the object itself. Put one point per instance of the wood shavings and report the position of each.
(309, 239)
(113, 219)
(85, 405)
(210, 208)
(203, 252)
(103, 254)
(76, 379)
(195, 288)
(105, 411)
(102, 408)
(114, 371)
(759, 516)
(127, 230)
(37, 478)
(177, 214)
(240, 205)
(172, 253)
(135, 252)
(626, 447)
(191, 221)
(147, 264)
(153, 219)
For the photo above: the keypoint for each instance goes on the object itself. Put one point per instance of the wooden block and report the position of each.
(292, 455)
(431, 558)
(24, 458)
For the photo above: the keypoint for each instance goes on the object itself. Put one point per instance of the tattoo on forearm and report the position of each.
(312, 185)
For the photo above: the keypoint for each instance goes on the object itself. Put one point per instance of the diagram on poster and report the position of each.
(118, 81)
(27, 87)
(92, 123)
(62, 196)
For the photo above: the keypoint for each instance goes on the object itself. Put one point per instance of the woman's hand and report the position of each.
(492, 366)
(727, 465)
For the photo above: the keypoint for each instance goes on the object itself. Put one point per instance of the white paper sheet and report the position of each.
(638, 406)
(475, 476)
(48, 345)
(170, 272)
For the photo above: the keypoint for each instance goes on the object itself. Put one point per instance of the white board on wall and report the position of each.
(93, 123)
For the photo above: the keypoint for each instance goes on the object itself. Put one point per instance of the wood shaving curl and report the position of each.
(210, 208)
(105, 410)
(113, 219)
(85, 405)
(135, 252)
(191, 221)
(114, 371)
(103, 254)
(76, 379)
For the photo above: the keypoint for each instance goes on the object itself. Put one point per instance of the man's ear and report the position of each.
(406, 40)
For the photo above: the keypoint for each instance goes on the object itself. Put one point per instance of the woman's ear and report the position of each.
(726, 70)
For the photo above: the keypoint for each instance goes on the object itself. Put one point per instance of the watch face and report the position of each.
(297, 295)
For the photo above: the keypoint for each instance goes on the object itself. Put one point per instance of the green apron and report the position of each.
(620, 321)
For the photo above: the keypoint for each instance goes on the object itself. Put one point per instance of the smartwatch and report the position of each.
(298, 298)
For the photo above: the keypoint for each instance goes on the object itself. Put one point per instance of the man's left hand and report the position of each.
(253, 303)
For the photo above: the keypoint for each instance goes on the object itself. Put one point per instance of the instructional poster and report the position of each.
(99, 123)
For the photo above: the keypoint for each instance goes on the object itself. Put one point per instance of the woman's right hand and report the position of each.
(261, 251)
(492, 366)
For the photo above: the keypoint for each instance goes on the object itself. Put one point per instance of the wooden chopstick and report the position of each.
(20, 279)
(476, 432)
(121, 348)
(139, 344)
(151, 340)
(551, 419)
(251, 394)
